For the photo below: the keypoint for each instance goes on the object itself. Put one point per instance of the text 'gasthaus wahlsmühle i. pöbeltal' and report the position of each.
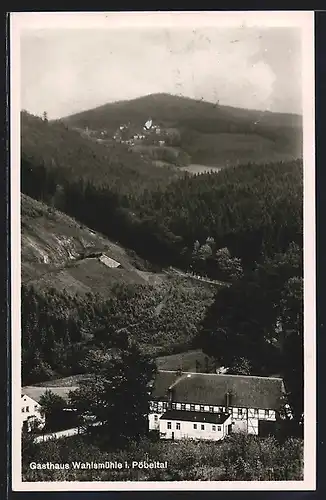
(98, 465)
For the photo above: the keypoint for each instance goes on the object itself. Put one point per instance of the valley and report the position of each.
(177, 247)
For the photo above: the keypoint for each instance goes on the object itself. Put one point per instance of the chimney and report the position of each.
(227, 401)
(171, 396)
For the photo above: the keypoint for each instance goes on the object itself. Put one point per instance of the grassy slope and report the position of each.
(210, 134)
(52, 243)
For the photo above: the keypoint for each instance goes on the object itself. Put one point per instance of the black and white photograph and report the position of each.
(162, 250)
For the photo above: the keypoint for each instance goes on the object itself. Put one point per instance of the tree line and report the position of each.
(250, 209)
(60, 331)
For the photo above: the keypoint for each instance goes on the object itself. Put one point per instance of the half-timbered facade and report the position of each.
(246, 399)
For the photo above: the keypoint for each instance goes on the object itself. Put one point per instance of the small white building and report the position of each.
(31, 410)
(148, 124)
(31, 413)
(107, 261)
(174, 424)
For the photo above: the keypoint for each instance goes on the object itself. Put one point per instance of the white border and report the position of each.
(85, 20)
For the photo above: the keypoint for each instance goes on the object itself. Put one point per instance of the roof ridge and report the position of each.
(221, 375)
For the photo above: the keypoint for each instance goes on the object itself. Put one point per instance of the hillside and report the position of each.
(57, 251)
(66, 155)
(209, 133)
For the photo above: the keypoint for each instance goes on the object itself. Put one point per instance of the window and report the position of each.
(35, 407)
(202, 408)
(192, 407)
(255, 412)
(169, 425)
(195, 426)
(155, 418)
(266, 413)
(183, 406)
(214, 427)
(174, 406)
(165, 405)
(23, 409)
(211, 409)
(240, 412)
(178, 426)
(27, 409)
(219, 428)
(202, 427)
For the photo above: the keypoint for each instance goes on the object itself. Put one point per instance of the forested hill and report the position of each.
(173, 109)
(210, 133)
(248, 208)
(60, 153)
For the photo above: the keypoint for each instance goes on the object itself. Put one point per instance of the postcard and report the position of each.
(162, 251)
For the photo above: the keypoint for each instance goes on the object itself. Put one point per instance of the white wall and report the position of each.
(187, 430)
(31, 411)
(245, 420)
(153, 421)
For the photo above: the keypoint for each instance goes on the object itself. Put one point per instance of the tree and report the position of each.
(230, 267)
(240, 366)
(52, 408)
(291, 343)
(117, 395)
(249, 318)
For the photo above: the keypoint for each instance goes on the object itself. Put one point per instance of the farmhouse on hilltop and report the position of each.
(210, 406)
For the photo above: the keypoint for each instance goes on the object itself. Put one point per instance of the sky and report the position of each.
(64, 70)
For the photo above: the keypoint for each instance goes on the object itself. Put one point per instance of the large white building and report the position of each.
(238, 402)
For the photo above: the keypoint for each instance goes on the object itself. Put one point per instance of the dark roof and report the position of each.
(195, 416)
(163, 380)
(210, 389)
(36, 392)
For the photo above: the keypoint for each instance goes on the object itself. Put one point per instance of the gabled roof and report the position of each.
(195, 416)
(36, 392)
(210, 389)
